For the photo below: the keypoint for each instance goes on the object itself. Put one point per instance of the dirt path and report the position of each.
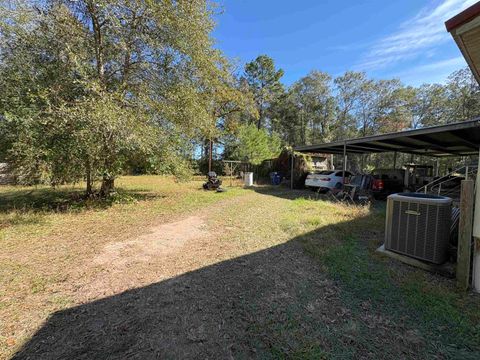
(164, 250)
(158, 241)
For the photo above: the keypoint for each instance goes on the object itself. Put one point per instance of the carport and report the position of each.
(456, 139)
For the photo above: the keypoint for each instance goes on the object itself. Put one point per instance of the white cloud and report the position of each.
(455, 63)
(436, 72)
(415, 36)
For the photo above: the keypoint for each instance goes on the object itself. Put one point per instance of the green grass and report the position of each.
(439, 312)
(446, 320)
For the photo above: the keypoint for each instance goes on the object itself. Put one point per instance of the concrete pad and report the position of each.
(447, 269)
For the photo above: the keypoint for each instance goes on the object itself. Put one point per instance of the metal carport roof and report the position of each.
(458, 139)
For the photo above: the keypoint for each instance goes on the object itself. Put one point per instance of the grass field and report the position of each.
(166, 270)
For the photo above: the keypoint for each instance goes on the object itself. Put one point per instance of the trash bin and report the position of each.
(275, 178)
(248, 179)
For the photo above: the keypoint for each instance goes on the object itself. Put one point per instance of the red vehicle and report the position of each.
(386, 182)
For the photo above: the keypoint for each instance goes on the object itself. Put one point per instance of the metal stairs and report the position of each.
(449, 185)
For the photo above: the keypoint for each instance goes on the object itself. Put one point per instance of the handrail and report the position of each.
(445, 178)
(439, 185)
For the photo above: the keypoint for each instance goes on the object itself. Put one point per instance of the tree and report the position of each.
(348, 88)
(90, 82)
(463, 94)
(365, 110)
(255, 145)
(227, 99)
(286, 120)
(430, 105)
(263, 80)
(316, 106)
(370, 107)
(392, 107)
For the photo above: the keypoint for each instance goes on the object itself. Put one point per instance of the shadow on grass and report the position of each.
(295, 194)
(339, 302)
(285, 192)
(65, 199)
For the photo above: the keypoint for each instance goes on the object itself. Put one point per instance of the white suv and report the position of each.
(326, 180)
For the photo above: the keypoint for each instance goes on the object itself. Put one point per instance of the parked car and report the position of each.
(386, 182)
(326, 180)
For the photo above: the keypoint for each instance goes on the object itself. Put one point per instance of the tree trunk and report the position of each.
(98, 40)
(89, 190)
(206, 153)
(259, 122)
(107, 186)
(210, 150)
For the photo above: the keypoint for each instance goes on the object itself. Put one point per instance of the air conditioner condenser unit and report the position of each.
(418, 225)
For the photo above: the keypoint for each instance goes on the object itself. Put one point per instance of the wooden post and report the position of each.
(344, 161)
(476, 236)
(465, 234)
(476, 264)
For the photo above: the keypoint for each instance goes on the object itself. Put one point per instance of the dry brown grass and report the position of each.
(51, 244)
(47, 251)
(60, 252)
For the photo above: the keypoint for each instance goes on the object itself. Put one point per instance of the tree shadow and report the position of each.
(295, 194)
(65, 199)
(284, 192)
(274, 303)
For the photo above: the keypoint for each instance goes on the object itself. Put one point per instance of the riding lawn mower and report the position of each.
(213, 182)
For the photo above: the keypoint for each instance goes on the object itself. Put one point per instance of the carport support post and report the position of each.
(292, 160)
(344, 161)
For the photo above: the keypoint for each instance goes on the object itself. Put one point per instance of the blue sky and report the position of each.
(403, 39)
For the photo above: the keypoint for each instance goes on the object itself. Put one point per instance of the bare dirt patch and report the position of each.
(158, 241)
(163, 251)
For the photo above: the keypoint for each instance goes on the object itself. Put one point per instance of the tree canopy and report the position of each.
(255, 145)
(263, 80)
(89, 84)
(319, 108)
